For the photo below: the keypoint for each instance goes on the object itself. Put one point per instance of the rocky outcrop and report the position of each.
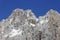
(24, 25)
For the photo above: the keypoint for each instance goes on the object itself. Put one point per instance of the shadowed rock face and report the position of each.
(23, 25)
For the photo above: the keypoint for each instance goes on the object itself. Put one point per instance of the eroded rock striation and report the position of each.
(24, 25)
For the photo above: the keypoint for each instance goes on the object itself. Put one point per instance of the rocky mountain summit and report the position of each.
(24, 25)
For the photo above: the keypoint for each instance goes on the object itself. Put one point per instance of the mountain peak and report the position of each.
(52, 12)
(21, 12)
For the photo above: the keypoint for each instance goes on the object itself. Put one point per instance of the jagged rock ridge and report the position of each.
(23, 25)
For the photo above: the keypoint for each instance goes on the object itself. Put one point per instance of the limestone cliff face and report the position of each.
(23, 25)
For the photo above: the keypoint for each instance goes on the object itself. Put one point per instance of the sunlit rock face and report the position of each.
(24, 25)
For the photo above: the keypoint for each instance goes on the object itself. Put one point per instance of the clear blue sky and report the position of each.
(39, 7)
